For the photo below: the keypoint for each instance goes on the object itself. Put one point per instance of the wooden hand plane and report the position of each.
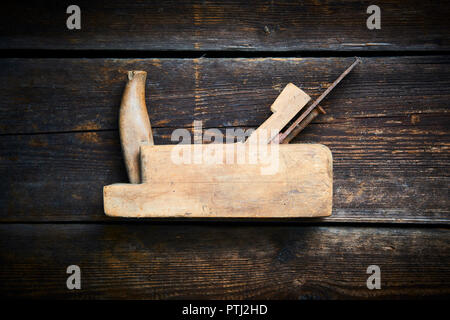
(258, 178)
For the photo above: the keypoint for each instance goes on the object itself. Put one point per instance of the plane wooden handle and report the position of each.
(134, 123)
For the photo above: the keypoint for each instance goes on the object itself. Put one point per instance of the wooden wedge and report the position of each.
(290, 101)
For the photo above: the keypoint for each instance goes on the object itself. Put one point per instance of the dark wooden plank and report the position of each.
(53, 95)
(84, 94)
(227, 25)
(387, 126)
(382, 177)
(212, 262)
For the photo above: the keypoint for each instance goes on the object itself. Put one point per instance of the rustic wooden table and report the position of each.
(224, 63)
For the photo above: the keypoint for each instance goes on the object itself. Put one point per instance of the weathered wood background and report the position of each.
(224, 63)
